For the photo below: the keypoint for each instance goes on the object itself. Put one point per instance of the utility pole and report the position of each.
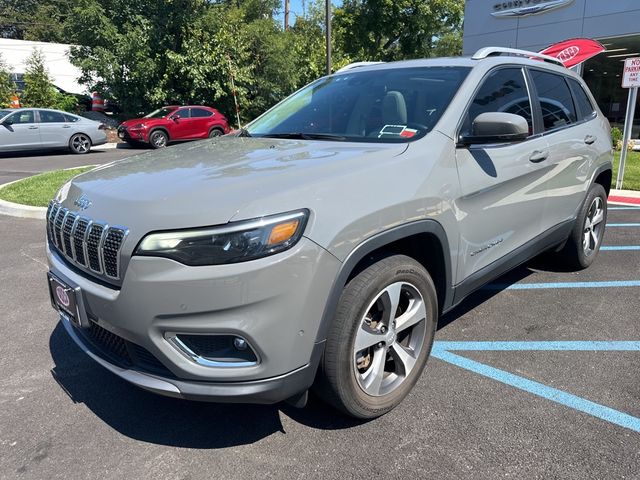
(286, 15)
(328, 31)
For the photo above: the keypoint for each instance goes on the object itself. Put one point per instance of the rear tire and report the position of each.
(80, 144)
(584, 242)
(380, 338)
(215, 132)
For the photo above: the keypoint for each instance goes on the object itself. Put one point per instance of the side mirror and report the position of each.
(175, 117)
(7, 122)
(497, 127)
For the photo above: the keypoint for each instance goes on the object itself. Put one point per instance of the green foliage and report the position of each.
(616, 136)
(39, 91)
(6, 85)
(146, 53)
(399, 29)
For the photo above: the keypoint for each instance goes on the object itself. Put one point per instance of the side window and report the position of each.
(555, 99)
(51, 117)
(504, 90)
(70, 118)
(582, 101)
(183, 112)
(25, 116)
(200, 112)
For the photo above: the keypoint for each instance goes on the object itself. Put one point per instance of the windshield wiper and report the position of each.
(243, 132)
(307, 136)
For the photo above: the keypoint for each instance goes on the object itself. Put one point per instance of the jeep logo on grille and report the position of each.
(82, 202)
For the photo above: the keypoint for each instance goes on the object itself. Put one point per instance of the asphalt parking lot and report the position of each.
(534, 377)
(16, 166)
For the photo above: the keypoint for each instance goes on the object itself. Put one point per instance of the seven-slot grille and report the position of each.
(87, 243)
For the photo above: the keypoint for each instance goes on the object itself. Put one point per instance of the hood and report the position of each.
(136, 121)
(213, 181)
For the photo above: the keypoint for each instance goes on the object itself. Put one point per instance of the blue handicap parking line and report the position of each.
(443, 351)
(623, 224)
(619, 248)
(537, 286)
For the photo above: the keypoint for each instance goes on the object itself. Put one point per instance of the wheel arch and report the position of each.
(159, 127)
(604, 175)
(424, 240)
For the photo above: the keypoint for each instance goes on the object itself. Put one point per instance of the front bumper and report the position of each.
(276, 303)
(267, 391)
(133, 135)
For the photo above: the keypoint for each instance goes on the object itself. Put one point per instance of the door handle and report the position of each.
(539, 156)
(66, 126)
(590, 139)
(33, 128)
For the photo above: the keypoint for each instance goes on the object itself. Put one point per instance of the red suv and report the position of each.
(174, 123)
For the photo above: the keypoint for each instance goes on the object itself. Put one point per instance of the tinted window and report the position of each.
(70, 118)
(582, 101)
(51, 117)
(183, 112)
(25, 116)
(381, 105)
(200, 112)
(504, 90)
(160, 113)
(555, 99)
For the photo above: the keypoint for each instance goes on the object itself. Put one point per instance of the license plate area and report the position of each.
(67, 300)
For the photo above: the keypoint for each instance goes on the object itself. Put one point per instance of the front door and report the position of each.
(502, 185)
(182, 127)
(20, 132)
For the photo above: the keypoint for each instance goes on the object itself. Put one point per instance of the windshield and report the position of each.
(383, 105)
(160, 113)
(4, 113)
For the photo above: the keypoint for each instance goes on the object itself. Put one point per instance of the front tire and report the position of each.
(584, 242)
(380, 338)
(158, 139)
(80, 144)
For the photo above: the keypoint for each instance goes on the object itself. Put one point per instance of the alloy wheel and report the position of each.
(81, 143)
(159, 139)
(389, 339)
(593, 225)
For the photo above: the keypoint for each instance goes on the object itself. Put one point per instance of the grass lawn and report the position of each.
(39, 189)
(631, 171)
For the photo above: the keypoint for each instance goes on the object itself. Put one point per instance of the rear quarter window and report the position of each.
(585, 108)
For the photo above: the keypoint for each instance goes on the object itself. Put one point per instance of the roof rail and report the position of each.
(356, 65)
(491, 51)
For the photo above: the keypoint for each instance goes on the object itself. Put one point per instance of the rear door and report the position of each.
(575, 139)
(502, 185)
(55, 131)
(202, 121)
(23, 132)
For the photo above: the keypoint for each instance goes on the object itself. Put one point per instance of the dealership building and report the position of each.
(536, 24)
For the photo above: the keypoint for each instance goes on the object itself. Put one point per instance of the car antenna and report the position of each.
(233, 90)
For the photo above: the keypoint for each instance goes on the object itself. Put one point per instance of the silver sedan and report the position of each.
(39, 128)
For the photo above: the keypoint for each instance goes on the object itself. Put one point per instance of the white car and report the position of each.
(39, 129)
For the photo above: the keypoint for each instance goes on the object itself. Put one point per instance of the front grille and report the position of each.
(122, 352)
(86, 243)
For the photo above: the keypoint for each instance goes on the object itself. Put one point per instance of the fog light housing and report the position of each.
(214, 350)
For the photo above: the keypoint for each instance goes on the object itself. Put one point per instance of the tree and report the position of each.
(6, 85)
(399, 29)
(40, 20)
(38, 90)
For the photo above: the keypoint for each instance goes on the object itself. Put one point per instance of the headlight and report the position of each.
(233, 243)
(138, 126)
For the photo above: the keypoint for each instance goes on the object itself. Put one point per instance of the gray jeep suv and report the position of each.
(318, 246)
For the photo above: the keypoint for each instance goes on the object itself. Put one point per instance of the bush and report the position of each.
(616, 137)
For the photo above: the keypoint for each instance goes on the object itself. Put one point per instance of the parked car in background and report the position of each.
(39, 128)
(174, 123)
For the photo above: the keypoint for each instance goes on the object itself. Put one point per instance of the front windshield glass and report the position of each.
(160, 113)
(382, 105)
